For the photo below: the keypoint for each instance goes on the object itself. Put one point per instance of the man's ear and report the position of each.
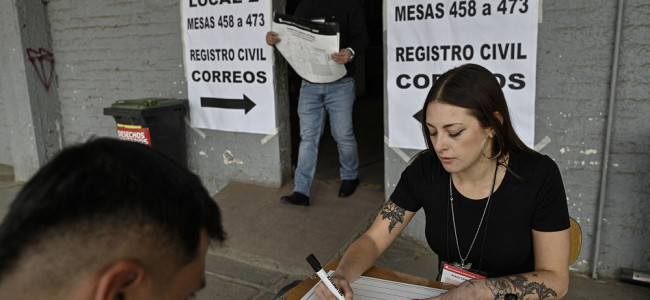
(118, 279)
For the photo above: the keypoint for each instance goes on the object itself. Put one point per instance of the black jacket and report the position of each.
(348, 14)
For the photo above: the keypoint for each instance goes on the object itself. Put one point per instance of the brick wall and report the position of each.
(113, 50)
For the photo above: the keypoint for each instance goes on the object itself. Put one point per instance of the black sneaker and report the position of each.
(296, 199)
(348, 187)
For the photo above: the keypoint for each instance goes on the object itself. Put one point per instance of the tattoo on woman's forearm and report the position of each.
(518, 285)
(393, 213)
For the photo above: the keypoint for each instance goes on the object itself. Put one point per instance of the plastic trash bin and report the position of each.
(156, 122)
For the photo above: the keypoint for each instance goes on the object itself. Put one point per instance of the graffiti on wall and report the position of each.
(43, 62)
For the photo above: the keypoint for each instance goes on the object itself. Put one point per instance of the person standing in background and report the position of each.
(336, 99)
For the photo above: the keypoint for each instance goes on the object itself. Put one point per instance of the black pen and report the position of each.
(311, 259)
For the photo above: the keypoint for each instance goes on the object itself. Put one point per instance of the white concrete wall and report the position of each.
(30, 110)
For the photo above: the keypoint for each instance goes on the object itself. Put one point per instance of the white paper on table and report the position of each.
(369, 288)
(307, 47)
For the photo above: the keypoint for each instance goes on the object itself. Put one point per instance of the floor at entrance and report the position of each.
(264, 230)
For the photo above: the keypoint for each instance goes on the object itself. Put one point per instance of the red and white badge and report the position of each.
(455, 275)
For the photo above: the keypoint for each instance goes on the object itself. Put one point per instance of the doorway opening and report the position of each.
(368, 114)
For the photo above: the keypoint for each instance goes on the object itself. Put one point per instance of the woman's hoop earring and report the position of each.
(483, 153)
(492, 158)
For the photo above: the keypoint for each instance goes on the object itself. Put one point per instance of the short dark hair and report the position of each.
(475, 88)
(115, 183)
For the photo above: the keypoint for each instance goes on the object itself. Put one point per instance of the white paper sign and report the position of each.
(228, 64)
(427, 38)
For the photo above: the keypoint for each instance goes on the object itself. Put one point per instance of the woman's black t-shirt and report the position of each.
(534, 201)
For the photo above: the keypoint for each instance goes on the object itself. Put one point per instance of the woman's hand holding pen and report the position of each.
(322, 293)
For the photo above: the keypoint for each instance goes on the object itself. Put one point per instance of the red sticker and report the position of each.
(134, 134)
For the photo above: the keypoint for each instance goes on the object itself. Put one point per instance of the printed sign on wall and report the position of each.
(228, 65)
(427, 38)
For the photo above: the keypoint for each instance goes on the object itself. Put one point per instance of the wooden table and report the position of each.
(301, 289)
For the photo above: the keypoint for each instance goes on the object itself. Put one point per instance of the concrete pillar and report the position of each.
(31, 110)
(282, 106)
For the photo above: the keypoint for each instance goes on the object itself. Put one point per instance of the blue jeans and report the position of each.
(317, 99)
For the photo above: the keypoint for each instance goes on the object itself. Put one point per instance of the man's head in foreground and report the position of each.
(108, 219)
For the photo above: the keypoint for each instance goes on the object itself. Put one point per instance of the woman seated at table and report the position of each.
(493, 206)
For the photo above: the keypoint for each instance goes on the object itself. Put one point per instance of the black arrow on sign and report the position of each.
(246, 104)
(418, 115)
